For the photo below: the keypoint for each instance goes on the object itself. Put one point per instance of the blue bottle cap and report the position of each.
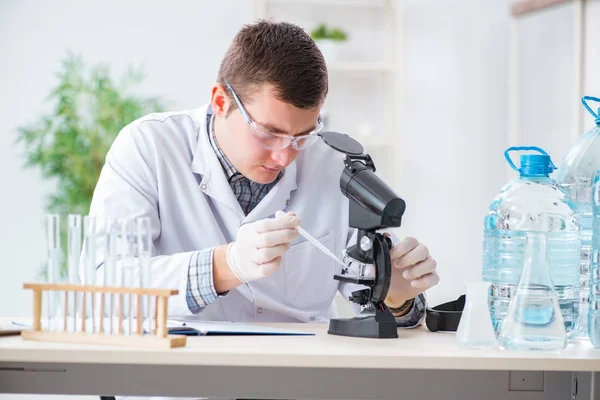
(536, 165)
(531, 164)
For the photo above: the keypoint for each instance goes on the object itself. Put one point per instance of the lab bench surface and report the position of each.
(269, 366)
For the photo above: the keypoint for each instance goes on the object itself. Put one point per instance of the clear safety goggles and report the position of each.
(276, 141)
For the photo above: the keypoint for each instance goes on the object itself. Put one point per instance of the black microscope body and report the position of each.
(373, 206)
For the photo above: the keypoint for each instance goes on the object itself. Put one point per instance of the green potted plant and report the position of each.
(329, 40)
(69, 145)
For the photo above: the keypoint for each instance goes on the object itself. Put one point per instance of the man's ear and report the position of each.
(219, 100)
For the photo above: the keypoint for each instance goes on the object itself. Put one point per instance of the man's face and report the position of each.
(240, 143)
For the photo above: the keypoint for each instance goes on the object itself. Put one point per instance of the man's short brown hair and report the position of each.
(277, 53)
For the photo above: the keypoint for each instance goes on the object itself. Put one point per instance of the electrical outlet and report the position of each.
(526, 381)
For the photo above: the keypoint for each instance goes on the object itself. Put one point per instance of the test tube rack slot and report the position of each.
(157, 338)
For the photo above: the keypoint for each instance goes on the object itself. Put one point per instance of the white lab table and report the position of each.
(419, 364)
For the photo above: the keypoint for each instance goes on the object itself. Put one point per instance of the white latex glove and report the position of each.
(413, 272)
(258, 247)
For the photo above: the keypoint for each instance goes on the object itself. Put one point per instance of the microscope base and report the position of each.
(367, 327)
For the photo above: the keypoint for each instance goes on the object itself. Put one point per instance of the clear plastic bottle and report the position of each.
(575, 176)
(531, 202)
(594, 304)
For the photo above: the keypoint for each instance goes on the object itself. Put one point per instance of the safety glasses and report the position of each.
(275, 141)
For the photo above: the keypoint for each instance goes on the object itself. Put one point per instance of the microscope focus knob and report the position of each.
(365, 243)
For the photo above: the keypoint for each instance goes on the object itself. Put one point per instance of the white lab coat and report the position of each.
(164, 165)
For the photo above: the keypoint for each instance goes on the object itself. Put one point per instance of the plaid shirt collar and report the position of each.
(230, 170)
(228, 167)
(247, 192)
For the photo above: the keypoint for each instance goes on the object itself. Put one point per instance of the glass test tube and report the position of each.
(144, 246)
(89, 274)
(126, 272)
(54, 256)
(73, 258)
(110, 260)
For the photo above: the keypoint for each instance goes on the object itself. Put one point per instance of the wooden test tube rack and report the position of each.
(158, 338)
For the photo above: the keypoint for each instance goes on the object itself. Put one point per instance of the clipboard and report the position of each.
(225, 328)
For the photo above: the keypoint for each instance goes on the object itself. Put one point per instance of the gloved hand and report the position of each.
(258, 247)
(413, 271)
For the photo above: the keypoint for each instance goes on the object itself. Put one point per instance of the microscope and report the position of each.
(373, 206)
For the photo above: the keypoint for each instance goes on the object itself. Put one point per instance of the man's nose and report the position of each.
(283, 157)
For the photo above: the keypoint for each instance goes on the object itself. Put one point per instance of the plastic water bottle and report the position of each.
(575, 176)
(594, 305)
(533, 202)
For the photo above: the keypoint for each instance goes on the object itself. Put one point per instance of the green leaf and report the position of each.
(322, 32)
(69, 145)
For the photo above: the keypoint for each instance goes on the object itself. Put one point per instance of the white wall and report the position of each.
(454, 130)
(180, 44)
(547, 97)
(550, 113)
(591, 75)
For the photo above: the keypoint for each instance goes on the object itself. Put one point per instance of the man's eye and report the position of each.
(264, 134)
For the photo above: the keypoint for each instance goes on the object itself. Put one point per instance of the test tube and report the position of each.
(89, 275)
(110, 260)
(73, 256)
(74, 247)
(144, 245)
(126, 270)
(54, 256)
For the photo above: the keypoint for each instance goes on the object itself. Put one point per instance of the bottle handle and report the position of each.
(596, 99)
(518, 148)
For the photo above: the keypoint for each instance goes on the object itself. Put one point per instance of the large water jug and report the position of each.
(532, 202)
(594, 304)
(575, 176)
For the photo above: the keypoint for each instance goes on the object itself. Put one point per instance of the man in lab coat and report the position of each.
(212, 180)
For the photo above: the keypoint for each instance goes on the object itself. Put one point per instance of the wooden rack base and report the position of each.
(147, 341)
(158, 338)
